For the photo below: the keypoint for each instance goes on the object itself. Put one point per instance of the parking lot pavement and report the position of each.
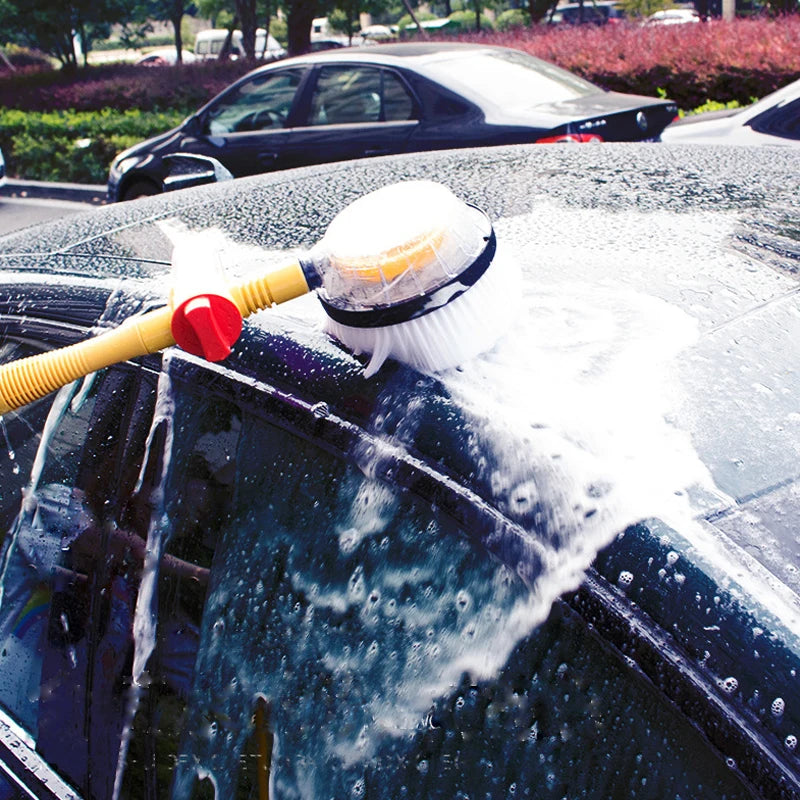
(17, 213)
(50, 190)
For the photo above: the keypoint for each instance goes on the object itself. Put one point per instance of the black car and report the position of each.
(567, 569)
(360, 102)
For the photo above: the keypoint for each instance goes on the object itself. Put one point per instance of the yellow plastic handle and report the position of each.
(30, 378)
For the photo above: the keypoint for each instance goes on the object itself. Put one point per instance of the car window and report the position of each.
(300, 611)
(19, 440)
(262, 103)
(348, 94)
(782, 120)
(508, 79)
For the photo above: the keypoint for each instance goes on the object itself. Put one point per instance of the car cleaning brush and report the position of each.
(412, 272)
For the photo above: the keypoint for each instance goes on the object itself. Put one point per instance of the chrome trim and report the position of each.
(23, 766)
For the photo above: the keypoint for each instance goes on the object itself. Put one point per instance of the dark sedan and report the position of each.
(353, 103)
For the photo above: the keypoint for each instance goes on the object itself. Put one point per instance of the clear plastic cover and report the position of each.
(402, 241)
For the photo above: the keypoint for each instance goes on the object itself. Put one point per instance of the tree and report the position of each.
(53, 25)
(246, 14)
(538, 9)
(300, 16)
(172, 11)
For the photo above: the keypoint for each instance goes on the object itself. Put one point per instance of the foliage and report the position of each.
(714, 105)
(49, 24)
(716, 60)
(511, 19)
(278, 28)
(406, 20)
(25, 58)
(181, 89)
(466, 21)
(73, 145)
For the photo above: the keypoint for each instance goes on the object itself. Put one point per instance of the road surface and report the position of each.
(20, 212)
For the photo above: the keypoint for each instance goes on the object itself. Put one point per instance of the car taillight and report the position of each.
(575, 138)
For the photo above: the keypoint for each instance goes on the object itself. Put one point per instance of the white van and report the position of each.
(208, 44)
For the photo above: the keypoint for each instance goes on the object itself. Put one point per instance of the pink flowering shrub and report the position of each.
(690, 63)
(121, 87)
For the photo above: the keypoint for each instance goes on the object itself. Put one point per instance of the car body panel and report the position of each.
(773, 120)
(637, 291)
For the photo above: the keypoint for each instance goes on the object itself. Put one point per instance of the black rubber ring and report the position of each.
(415, 307)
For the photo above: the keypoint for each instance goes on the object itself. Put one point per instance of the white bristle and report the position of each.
(449, 336)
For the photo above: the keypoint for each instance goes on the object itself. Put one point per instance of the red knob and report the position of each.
(207, 325)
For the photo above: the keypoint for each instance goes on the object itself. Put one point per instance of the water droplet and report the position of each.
(790, 742)
(778, 707)
(625, 579)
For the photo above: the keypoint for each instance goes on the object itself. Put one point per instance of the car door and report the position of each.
(246, 128)
(352, 111)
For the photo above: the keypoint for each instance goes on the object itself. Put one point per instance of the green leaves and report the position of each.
(74, 146)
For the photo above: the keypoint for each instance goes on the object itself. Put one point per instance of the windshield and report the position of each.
(509, 78)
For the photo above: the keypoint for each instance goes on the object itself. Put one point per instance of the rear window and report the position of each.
(511, 79)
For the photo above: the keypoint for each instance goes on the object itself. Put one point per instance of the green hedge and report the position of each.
(74, 146)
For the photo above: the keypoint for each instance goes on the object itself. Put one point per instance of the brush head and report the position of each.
(403, 272)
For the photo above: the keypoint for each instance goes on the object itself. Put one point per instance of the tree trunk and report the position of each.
(176, 18)
(225, 50)
(420, 30)
(246, 11)
(301, 15)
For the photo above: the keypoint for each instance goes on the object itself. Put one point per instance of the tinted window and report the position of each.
(508, 79)
(262, 103)
(309, 621)
(782, 120)
(357, 95)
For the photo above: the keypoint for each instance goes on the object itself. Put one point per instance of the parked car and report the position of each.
(379, 587)
(588, 13)
(773, 120)
(371, 101)
(164, 56)
(3, 177)
(673, 16)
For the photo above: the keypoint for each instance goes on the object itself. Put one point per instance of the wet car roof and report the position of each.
(655, 363)
(708, 231)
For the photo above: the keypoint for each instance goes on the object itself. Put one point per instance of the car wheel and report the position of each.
(140, 188)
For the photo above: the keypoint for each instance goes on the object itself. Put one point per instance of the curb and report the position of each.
(77, 192)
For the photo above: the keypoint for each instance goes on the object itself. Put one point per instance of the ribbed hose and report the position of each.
(30, 378)
(273, 289)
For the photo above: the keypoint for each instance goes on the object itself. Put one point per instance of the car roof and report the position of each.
(395, 54)
(619, 246)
